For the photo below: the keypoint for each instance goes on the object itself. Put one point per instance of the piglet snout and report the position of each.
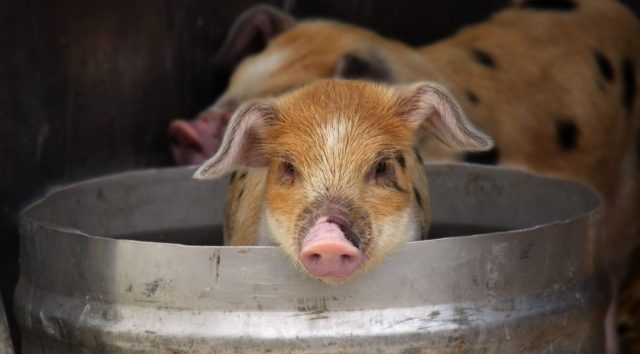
(326, 252)
(193, 142)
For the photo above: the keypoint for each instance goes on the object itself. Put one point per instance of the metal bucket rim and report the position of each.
(592, 214)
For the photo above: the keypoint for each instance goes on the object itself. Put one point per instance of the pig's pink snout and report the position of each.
(192, 142)
(326, 252)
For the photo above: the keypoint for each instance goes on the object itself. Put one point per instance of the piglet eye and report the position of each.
(381, 168)
(288, 169)
(287, 173)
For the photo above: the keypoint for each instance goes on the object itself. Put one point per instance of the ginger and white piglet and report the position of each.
(329, 171)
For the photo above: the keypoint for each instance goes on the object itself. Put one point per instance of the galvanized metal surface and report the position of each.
(539, 288)
(5, 336)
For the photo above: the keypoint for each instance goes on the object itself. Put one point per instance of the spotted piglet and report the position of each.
(329, 172)
(554, 83)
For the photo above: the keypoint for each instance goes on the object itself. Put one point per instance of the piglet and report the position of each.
(329, 172)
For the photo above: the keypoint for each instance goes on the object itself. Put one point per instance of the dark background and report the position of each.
(88, 87)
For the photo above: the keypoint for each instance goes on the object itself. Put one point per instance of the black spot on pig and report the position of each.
(489, 157)
(369, 67)
(472, 97)
(628, 84)
(482, 57)
(554, 5)
(567, 133)
(418, 197)
(233, 177)
(604, 65)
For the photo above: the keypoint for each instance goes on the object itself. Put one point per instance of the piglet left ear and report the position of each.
(430, 106)
(241, 142)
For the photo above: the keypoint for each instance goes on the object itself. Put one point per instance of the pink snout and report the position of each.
(326, 252)
(193, 142)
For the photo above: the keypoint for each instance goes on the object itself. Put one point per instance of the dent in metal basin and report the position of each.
(537, 288)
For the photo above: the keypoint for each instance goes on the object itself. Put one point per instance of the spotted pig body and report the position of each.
(329, 172)
(553, 82)
(556, 89)
(555, 86)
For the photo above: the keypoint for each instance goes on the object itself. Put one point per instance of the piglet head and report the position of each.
(343, 186)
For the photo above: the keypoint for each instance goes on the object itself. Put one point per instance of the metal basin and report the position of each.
(529, 281)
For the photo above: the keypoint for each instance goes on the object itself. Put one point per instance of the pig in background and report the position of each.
(553, 82)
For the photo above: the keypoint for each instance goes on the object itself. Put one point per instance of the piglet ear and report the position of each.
(430, 106)
(241, 142)
(250, 33)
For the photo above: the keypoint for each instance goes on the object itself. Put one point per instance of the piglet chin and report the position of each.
(326, 252)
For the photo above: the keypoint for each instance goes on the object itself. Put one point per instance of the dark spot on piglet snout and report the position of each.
(339, 216)
(354, 222)
(348, 232)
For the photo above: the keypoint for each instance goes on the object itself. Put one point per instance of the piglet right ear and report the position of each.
(430, 106)
(241, 142)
